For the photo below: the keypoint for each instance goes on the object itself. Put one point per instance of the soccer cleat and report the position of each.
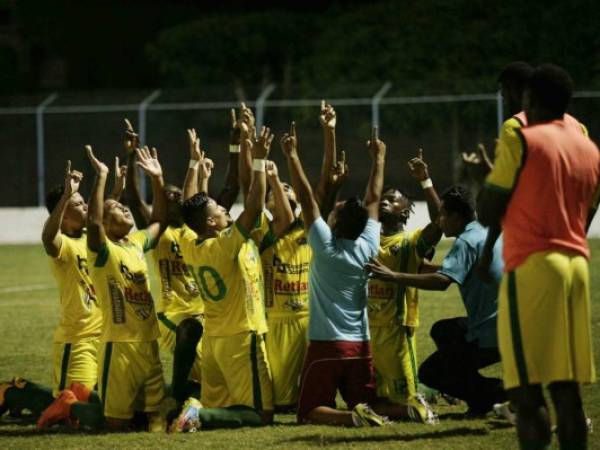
(503, 411)
(188, 420)
(364, 416)
(59, 409)
(420, 411)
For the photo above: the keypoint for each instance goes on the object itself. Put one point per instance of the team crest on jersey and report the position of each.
(89, 295)
(394, 249)
(176, 250)
(302, 241)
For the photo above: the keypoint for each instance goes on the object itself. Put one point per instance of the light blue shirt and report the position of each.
(337, 286)
(480, 299)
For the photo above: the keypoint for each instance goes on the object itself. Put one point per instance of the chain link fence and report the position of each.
(39, 133)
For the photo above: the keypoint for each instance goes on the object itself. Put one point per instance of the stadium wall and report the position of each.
(24, 225)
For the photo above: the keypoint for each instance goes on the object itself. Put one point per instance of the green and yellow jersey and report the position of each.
(120, 275)
(285, 261)
(389, 303)
(179, 290)
(230, 277)
(80, 315)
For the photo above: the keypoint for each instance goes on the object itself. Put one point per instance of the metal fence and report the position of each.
(38, 134)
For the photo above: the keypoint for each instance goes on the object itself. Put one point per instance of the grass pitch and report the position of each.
(28, 315)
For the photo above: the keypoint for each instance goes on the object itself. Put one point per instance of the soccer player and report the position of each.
(180, 306)
(76, 339)
(546, 278)
(393, 309)
(286, 257)
(339, 355)
(464, 344)
(236, 381)
(130, 371)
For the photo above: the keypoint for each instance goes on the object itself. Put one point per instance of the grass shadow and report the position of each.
(319, 439)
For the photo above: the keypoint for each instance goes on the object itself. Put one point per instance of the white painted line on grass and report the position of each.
(28, 288)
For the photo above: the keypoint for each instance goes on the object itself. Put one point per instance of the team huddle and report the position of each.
(305, 295)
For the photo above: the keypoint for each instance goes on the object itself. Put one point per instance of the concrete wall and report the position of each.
(24, 225)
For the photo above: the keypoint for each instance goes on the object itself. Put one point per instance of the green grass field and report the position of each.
(28, 314)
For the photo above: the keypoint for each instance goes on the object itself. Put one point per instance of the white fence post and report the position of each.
(41, 150)
(375, 101)
(260, 105)
(142, 109)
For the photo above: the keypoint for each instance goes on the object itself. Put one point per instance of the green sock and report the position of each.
(232, 417)
(90, 415)
(530, 444)
(32, 396)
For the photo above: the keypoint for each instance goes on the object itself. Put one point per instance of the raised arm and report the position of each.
(375, 185)
(148, 162)
(247, 135)
(190, 183)
(255, 202)
(120, 180)
(284, 216)
(328, 121)
(140, 210)
(337, 176)
(51, 235)
(419, 171)
(304, 193)
(230, 191)
(478, 163)
(95, 227)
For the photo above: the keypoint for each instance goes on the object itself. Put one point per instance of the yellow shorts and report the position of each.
(235, 371)
(76, 362)
(286, 344)
(395, 362)
(130, 378)
(167, 325)
(544, 327)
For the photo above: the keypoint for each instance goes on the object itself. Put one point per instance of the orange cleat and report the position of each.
(60, 409)
(81, 391)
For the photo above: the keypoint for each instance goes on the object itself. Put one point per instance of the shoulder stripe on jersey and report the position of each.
(515, 328)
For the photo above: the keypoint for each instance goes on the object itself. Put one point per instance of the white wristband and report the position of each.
(258, 165)
(426, 184)
(193, 164)
(234, 149)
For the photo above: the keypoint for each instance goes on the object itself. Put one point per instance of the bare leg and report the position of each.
(329, 416)
(572, 430)
(533, 422)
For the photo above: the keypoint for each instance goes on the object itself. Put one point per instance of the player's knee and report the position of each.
(189, 331)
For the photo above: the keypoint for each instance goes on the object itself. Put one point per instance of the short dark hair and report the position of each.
(551, 87)
(351, 219)
(53, 197)
(458, 199)
(194, 211)
(516, 75)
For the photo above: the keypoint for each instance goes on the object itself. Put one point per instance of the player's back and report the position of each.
(230, 279)
(551, 199)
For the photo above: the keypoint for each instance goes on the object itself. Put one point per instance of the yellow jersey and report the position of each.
(120, 275)
(285, 261)
(230, 277)
(389, 303)
(80, 315)
(179, 289)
